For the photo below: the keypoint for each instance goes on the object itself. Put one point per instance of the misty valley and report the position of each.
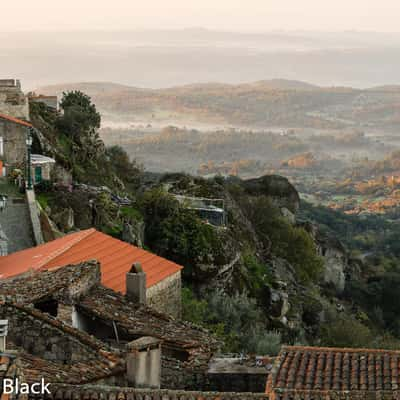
(336, 145)
(199, 214)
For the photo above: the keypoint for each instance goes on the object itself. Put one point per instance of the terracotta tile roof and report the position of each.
(333, 371)
(116, 258)
(15, 120)
(86, 392)
(36, 258)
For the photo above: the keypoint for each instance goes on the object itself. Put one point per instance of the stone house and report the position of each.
(13, 148)
(13, 101)
(69, 329)
(163, 277)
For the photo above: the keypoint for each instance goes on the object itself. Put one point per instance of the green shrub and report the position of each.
(346, 332)
(193, 310)
(289, 242)
(44, 186)
(267, 343)
(123, 167)
(176, 232)
(258, 275)
(236, 320)
(131, 213)
(43, 199)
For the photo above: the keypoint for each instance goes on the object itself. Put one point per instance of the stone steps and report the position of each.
(15, 223)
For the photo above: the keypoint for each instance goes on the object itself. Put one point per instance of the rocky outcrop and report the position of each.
(278, 303)
(335, 257)
(64, 219)
(278, 188)
(133, 233)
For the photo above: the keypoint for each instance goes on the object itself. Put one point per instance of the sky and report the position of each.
(232, 15)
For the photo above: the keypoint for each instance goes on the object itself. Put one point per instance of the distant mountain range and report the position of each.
(160, 59)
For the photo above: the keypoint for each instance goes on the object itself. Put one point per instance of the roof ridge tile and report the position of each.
(15, 120)
(340, 349)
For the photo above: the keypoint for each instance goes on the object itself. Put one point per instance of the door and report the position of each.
(38, 174)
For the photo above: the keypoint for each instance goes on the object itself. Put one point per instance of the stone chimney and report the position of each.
(143, 363)
(3, 334)
(136, 284)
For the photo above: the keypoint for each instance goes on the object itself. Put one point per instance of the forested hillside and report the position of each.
(264, 103)
(274, 272)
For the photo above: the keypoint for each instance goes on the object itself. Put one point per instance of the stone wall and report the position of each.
(61, 392)
(12, 100)
(176, 375)
(236, 382)
(14, 139)
(166, 295)
(34, 214)
(65, 312)
(42, 338)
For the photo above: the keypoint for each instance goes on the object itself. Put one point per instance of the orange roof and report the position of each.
(15, 120)
(116, 258)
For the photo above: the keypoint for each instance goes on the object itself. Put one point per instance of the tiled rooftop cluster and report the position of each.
(143, 321)
(83, 283)
(92, 361)
(31, 331)
(52, 348)
(77, 373)
(66, 392)
(301, 372)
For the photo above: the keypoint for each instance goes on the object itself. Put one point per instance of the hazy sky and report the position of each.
(243, 15)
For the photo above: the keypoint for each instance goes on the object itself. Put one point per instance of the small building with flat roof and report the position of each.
(41, 168)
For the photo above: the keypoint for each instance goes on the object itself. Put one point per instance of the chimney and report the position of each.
(136, 284)
(3, 334)
(143, 363)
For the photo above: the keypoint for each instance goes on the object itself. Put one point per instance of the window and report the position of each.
(1, 146)
(49, 306)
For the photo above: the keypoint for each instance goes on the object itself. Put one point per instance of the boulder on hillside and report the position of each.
(278, 188)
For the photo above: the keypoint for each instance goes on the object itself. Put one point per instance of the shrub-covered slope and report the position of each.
(263, 278)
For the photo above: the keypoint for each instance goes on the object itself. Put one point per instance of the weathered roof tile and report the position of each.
(328, 372)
